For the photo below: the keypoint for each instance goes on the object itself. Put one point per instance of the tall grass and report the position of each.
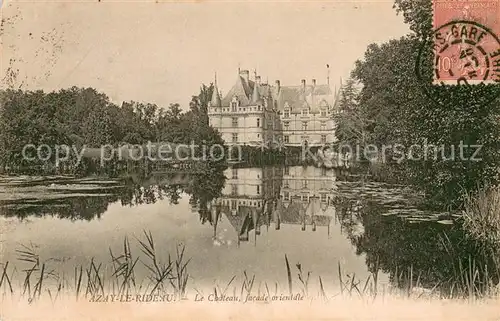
(170, 277)
(482, 216)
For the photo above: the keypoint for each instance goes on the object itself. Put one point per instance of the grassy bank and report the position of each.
(170, 277)
(482, 217)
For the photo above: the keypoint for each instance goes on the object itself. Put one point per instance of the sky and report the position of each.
(161, 52)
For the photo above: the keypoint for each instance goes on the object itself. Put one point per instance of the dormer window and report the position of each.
(305, 112)
(235, 104)
(286, 113)
(323, 112)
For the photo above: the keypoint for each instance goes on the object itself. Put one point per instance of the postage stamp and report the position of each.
(466, 43)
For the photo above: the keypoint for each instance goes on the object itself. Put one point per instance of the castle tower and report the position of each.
(215, 101)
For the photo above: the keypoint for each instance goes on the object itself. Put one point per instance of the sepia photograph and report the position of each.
(250, 160)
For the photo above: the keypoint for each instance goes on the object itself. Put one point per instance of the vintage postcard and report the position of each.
(250, 160)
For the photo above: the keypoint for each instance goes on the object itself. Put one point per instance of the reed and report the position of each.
(289, 275)
(303, 280)
(482, 216)
(160, 272)
(5, 276)
(471, 278)
(247, 285)
(180, 277)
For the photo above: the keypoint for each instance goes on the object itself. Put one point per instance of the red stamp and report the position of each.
(466, 41)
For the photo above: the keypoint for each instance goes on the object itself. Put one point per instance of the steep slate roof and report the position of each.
(297, 97)
(245, 92)
(256, 95)
(241, 90)
(215, 101)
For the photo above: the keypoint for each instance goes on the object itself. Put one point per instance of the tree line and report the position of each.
(84, 116)
(383, 103)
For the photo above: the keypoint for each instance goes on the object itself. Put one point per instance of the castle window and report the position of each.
(287, 171)
(234, 105)
(286, 196)
(304, 183)
(258, 189)
(305, 112)
(286, 113)
(235, 173)
(286, 184)
(323, 139)
(323, 113)
(235, 122)
(258, 122)
(304, 125)
(287, 139)
(323, 198)
(258, 107)
(234, 204)
(286, 125)
(235, 137)
(323, 125)
(234, 189)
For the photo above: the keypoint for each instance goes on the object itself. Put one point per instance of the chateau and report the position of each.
(255, 113)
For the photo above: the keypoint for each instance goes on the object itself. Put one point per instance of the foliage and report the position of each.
(351, 127)
(83, 116)
(393, 107)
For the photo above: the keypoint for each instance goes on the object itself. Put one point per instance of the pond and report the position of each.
(235, 226)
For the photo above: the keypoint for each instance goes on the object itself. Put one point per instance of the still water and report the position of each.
(235, 221)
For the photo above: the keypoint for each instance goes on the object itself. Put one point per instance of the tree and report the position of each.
(392, 95)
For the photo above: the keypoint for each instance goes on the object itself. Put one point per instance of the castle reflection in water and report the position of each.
(270, 197)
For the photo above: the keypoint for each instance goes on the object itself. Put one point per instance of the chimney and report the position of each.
(245, 75)
(277, 85)
(314, 82)
(257, 80)
(303, 84)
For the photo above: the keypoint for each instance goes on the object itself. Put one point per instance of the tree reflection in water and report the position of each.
(132, 190)
(422, 254)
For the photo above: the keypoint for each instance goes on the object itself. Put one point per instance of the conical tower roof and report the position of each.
(215, 101)
(256, 95)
